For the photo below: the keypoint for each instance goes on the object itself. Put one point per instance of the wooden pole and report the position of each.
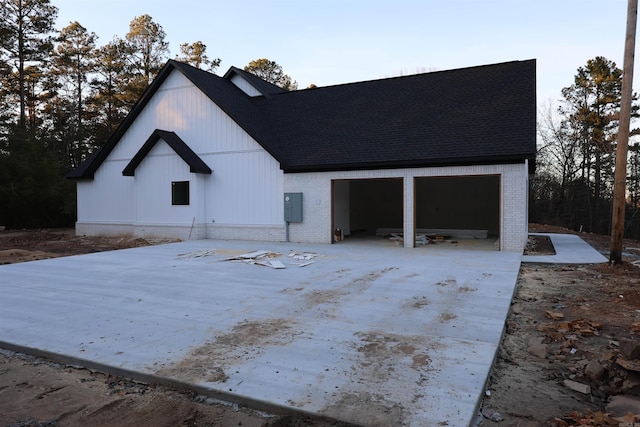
(620, 179)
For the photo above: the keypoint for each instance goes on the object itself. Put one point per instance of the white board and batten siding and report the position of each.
(242, 197)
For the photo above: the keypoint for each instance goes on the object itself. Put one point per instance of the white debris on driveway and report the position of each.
(308, 257)
(197, 254)
(261, 257)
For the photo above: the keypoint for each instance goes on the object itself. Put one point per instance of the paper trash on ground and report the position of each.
(261, 257)
(274, 263)
(197, 254)
(304, 256)
(252, 256)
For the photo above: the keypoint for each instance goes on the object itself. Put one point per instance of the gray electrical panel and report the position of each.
(293, 207)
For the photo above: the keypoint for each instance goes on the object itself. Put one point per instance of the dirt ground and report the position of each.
(578, 323)
(568, 356)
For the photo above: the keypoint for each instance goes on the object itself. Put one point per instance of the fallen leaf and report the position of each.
(554, 315)
(629, 365)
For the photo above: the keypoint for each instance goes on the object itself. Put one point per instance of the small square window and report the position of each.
(180, 193)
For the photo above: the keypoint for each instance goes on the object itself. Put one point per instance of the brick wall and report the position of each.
(260, 232)
(316, 189)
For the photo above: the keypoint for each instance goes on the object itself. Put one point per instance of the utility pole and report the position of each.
(620, 179)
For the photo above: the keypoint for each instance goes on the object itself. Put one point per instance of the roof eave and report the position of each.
(87, 172)
(338, 167)
(196, 164)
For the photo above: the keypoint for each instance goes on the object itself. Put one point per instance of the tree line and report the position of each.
(573, 184)
(62, 95)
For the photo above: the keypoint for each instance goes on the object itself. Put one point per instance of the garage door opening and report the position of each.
(458, 208)
(362, 206)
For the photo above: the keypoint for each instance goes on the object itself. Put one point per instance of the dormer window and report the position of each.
(250, 84)
(245, 86)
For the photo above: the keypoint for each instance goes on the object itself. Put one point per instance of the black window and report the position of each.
(180, 193)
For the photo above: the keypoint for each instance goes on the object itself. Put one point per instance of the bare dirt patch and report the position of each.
(567, 326)
(32, 245)
(35, 392)
(212, 361)
(539, 245)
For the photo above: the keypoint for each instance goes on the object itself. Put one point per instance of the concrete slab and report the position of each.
(366, 334)
(570, 249)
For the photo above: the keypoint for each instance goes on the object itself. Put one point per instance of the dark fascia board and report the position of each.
(87, 170)
(196, 165)
(341, 167)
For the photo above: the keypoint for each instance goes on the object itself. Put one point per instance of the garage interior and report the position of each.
(458, 207)
(446, 208)
(361, 206)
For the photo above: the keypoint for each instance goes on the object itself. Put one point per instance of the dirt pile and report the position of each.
(32, 245)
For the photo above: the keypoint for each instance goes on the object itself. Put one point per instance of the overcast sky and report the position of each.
(329, 42)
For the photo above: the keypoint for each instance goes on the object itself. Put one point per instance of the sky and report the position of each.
(328, 42)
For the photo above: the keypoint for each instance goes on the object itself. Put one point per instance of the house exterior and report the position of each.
(234, 157)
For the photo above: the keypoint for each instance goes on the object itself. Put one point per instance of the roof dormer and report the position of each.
(251, 84)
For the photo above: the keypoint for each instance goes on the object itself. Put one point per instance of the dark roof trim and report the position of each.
(196, 165)
(341, 167)
(88, 168)
(265, 88)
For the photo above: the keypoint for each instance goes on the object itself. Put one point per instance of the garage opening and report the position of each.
(458, 208)
(362, 206)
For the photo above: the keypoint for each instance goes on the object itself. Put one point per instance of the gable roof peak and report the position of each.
(196, 165)
(263, 87)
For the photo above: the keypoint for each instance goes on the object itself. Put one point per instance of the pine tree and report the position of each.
(271, 72)
(74, 61)
(195, 54)
(148, 53)
(25, 34)
(591, 111)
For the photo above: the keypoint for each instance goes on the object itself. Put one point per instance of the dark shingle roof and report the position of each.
(477, 115)
(196, 165)
(481, 114)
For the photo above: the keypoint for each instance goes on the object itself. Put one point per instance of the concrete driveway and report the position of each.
(365, 334)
